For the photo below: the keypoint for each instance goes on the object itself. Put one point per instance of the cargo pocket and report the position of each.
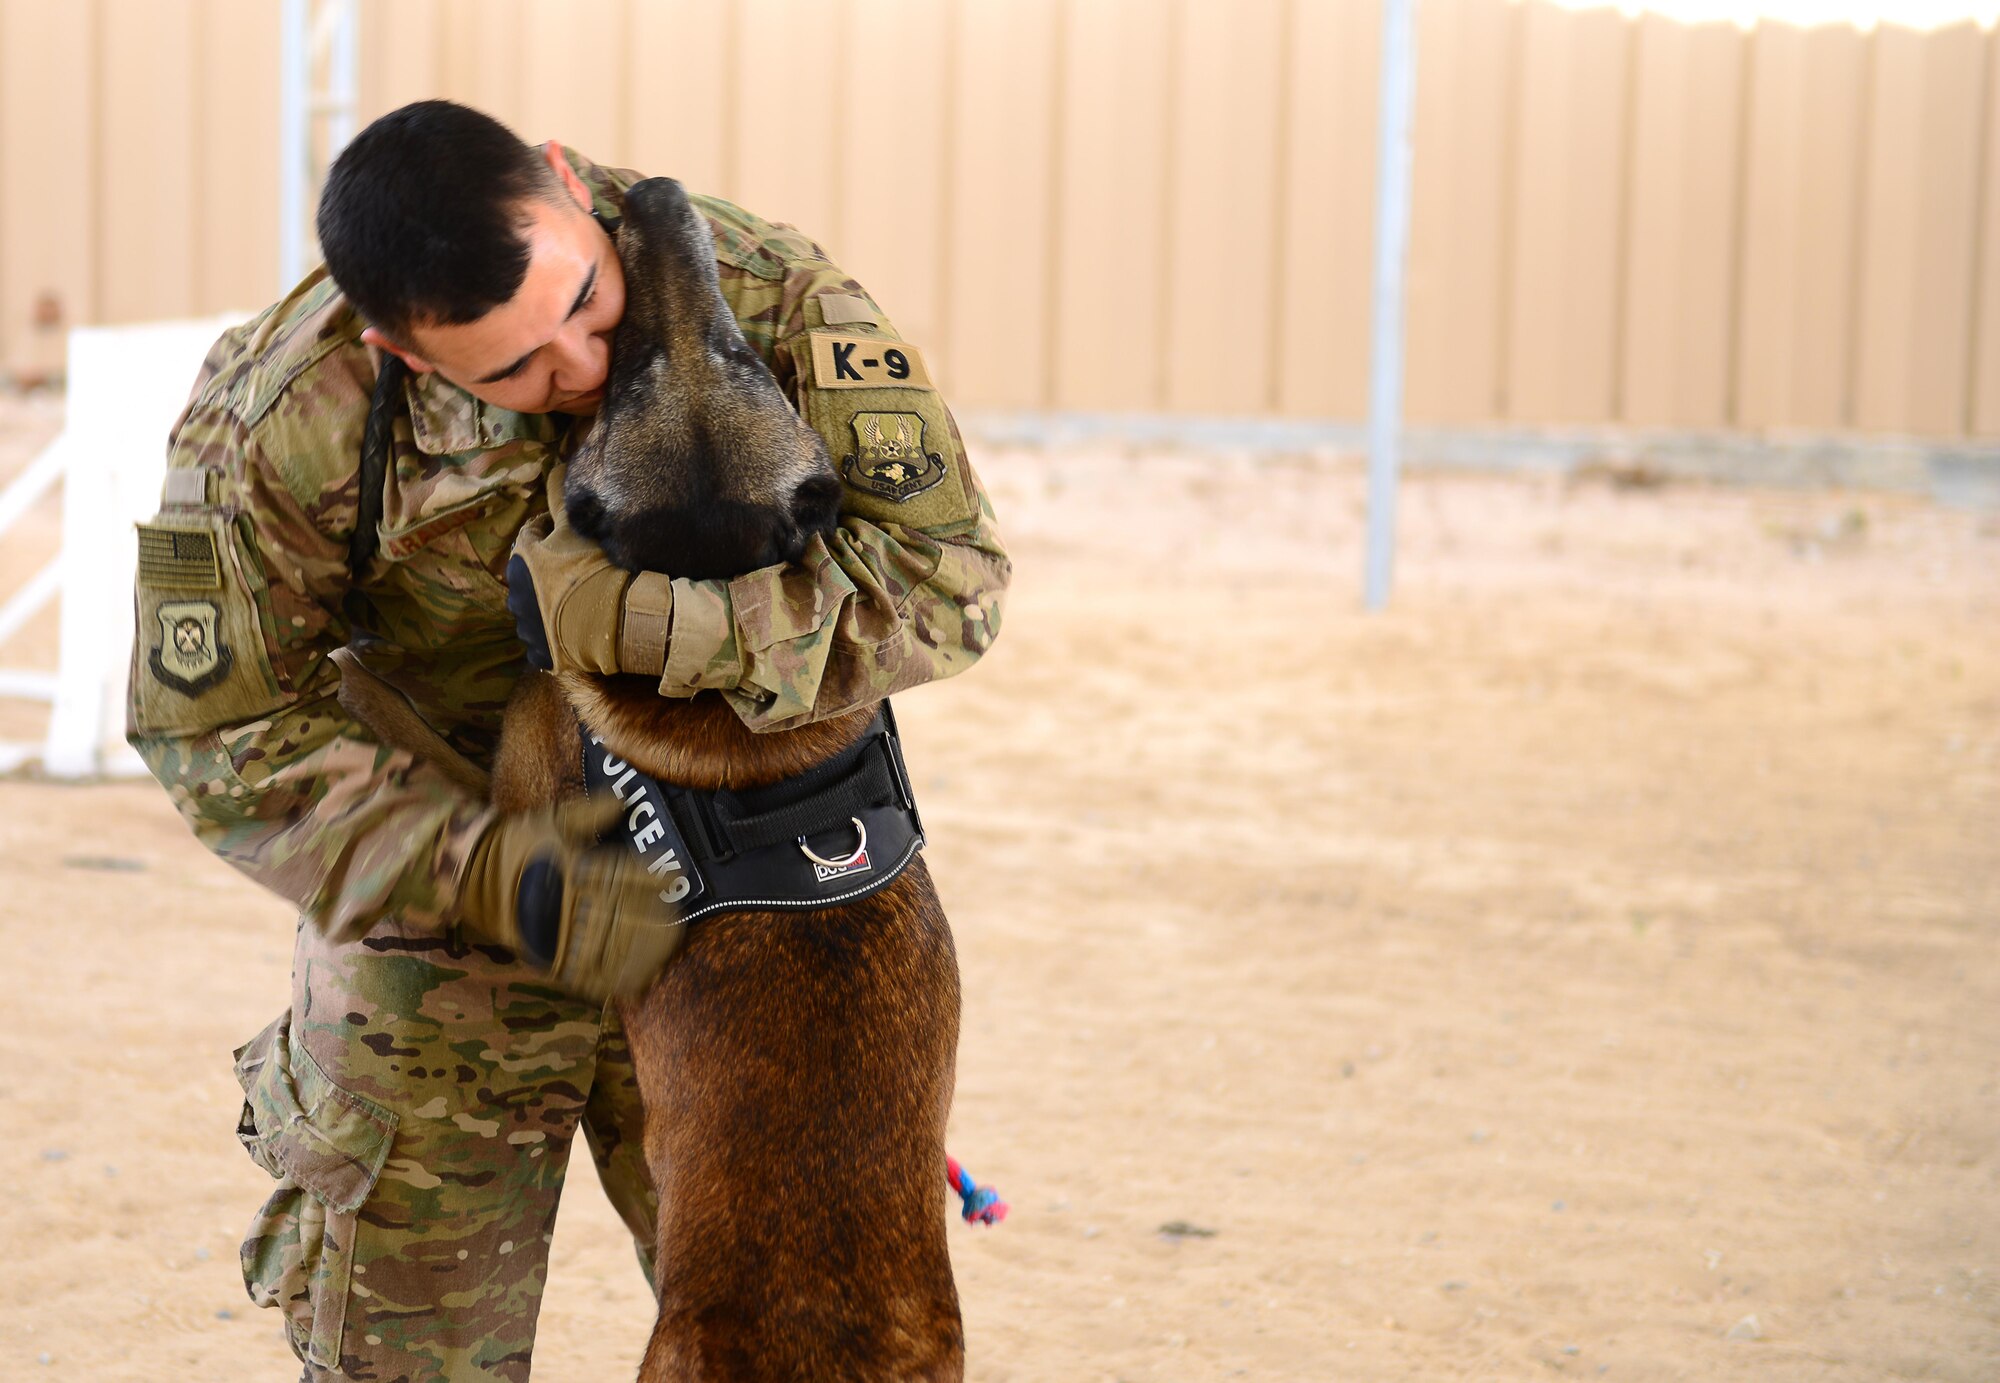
(326, 1146)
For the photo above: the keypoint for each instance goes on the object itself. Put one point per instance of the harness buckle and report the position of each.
(859, 850)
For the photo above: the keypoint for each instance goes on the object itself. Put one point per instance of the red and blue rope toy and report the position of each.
(982, 1204)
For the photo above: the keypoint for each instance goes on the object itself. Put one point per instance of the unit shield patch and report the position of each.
(891, 460)
(190, 656)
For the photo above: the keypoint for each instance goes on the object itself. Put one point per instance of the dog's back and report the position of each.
(798, 1072)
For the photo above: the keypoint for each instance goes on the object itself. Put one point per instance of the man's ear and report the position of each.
(418, 365)
(552, 154)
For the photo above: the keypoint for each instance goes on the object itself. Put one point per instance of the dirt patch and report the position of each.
(1586, 967)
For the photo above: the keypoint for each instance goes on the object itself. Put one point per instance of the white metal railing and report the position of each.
(127, 385)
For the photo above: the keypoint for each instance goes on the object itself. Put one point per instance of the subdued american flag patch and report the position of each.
(178, 558)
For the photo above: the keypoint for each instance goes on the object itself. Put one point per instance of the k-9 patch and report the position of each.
(889, 459)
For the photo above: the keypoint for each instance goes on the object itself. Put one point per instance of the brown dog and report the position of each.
(797, 1066)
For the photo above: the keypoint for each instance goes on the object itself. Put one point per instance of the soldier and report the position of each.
(417, 1100)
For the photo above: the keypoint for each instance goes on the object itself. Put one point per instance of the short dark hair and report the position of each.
(422, 220)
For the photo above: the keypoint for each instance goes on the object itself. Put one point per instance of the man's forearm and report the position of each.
(308, 806)
(871, 612)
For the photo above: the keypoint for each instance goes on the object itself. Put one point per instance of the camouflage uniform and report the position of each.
(417, 1100)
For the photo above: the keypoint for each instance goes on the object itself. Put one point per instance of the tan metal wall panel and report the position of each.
(1459, 165)
(1679, 272)
(1130, 204)
(1222, 206)
(1918, 231)
(1563, 295)
(147, 260)
(584, 114)
(791, 69)
(402, 59)
(1984, 406)
(994, 348)
(48, 124)
(1326, 189)
(892, 194)
(485, 65)
(1795, 322)
(236, 154)
(678, 72)
(1110, 242)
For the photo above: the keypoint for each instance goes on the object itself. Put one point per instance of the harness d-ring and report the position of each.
(854, 858)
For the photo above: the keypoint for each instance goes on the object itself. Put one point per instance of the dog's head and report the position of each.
(698, 466)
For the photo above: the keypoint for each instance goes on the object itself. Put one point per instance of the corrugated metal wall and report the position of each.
(1141, 204)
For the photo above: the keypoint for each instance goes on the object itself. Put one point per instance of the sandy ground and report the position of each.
(1585, 969)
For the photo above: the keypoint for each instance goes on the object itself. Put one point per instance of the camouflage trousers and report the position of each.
(416, 1105)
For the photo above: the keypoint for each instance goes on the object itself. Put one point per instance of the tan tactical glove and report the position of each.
(586, 915)
(574, 609)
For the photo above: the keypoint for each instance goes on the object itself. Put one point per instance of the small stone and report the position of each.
(1745, 1329)
(201, 1255)
(104, 864)
(1181, 1229)
(1478, 1135)
(45, 1358)
(1559, 1206)
(54, 1154)
(225, 1314)
(1453, 1286)
(1091, 1231)
(1571, 1349)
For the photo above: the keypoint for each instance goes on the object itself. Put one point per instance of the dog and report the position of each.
(796, 1066)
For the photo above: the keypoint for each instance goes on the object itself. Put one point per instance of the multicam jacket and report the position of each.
(244, 590)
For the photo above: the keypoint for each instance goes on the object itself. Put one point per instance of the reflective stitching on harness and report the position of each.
(799, 905)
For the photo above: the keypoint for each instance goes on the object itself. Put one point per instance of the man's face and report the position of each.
(548, 348)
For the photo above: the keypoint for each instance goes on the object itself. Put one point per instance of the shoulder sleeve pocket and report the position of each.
(199, 655)
(870, 397)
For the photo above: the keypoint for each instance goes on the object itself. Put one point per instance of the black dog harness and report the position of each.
(837, 832)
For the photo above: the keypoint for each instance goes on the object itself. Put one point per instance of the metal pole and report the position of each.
(1392, 240)
(315, 41)
(340, 76)
(294, 140)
